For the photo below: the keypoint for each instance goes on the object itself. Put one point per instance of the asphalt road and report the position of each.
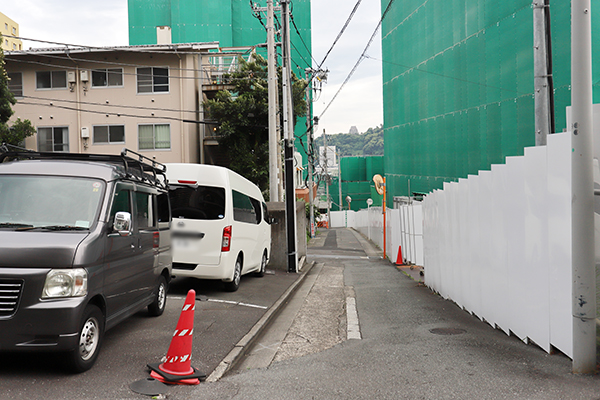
(220, 321)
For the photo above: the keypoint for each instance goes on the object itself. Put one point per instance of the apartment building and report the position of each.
(99, 100)
(9, 28)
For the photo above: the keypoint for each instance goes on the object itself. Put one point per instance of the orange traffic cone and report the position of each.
(399, 260)
(176, 368)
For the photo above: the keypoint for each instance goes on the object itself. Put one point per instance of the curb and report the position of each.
(240, 348)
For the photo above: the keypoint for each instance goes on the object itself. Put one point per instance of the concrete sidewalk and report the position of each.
(411, 343)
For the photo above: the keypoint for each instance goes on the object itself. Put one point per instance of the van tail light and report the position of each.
(155, 240)
(226, 242)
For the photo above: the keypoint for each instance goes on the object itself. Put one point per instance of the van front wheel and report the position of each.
(90, 339)
(237, 276)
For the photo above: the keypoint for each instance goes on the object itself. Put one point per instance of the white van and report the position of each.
(220, 227)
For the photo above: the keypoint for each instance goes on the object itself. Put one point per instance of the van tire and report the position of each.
(237, 276)
(263, 266)
(91, 333)
(160, 300)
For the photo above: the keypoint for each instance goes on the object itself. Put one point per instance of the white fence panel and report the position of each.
(499, 244)
(559, 241)
(515, 219)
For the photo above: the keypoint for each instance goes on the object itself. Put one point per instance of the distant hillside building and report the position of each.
(458, 86)
(353, 130)
(8, 28)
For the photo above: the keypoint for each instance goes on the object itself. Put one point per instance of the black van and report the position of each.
(84, 243)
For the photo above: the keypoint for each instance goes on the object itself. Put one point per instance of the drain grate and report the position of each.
(447, 331)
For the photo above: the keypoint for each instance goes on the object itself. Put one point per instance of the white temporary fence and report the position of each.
(499, 244)
(404, 229)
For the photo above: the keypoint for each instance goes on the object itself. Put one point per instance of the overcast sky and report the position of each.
(104, 23)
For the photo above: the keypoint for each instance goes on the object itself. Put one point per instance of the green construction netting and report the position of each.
(458, 86)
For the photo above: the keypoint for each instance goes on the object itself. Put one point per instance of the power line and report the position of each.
(302, 40)
(117, 114)
(69, 67)
(110, 105)
(341, 32)
(361, 58)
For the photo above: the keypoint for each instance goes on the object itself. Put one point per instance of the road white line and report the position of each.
(237, 303)
(352, 317)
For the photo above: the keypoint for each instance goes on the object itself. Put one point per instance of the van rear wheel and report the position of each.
(263, 266)
(237, 276)
(160, 301)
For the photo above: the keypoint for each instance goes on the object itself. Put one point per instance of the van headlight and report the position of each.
(65, 283)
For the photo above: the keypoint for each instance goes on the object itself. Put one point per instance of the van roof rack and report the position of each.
(136, 166)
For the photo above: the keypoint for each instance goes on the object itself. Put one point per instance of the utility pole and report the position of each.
(327, 180)
(541, 70)
(583, 254)
(272, 87)
(340, 179)
(309, 131)
(290, 192)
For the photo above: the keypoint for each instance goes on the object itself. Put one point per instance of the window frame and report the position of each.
(107, 71)
(154, 137)
(153, 85)
(67, 144)
(52, 87)
(9, 84)
(108, 133)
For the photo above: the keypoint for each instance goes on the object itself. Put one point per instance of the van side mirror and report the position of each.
(122, 223)
(272, 220)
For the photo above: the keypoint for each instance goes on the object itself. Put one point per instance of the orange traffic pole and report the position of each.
(384, 227)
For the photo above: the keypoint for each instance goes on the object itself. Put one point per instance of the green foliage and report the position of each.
(369, 143)
(16, 134)
(242, 114)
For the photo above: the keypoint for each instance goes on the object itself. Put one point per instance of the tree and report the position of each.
(242, 115)
(20, 130)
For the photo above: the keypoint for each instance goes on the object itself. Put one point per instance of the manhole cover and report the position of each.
(447, 331)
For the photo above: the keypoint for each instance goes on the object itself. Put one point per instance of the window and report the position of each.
(107, 77)
(14, 46)
(15, 83)
(265, 213)
(14, 30)
(201, 202)
(109, 134)
(245, 208)
(144, 210)
(152, 80)
(120, 203)
(51, 79)
(154, 137)
(5, 26)
(53, 139)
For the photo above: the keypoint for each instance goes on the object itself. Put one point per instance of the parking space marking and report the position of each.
(237, 303)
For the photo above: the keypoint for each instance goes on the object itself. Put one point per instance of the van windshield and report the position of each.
(201, 202)
(51, 202)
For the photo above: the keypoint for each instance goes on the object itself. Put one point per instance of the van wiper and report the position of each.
(62, 228)
(14, 225)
